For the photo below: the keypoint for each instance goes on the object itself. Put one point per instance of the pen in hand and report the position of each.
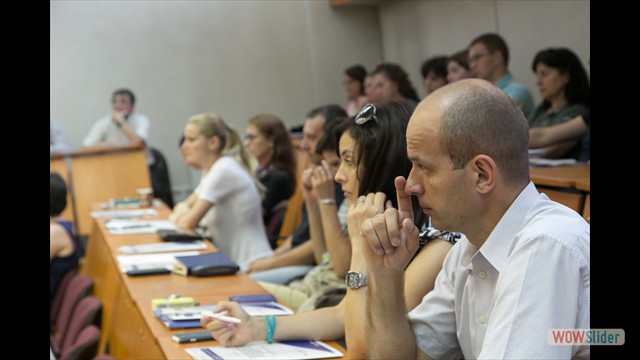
(220, 316)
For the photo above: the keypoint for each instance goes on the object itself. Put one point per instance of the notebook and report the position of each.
(209, 264)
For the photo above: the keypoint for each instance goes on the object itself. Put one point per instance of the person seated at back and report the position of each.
(489, 60)
(392, 82)
(458, 66)
(267, 139)
(353, 82)
(120, 128)
(227, 188)
(564, 86)
(434, 73)
(57, 142)
(64, 249)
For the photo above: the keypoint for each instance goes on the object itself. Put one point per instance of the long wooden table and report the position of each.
(97, 175)
(568, 185)
(128, 324)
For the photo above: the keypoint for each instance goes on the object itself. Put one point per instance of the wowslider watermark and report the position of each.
(585, 337)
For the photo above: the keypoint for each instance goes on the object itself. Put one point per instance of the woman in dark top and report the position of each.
(267, 139)
(64, 250)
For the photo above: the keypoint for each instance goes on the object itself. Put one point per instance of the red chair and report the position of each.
(79, 287)
(84, 346)
(57, 298)
(87, 312)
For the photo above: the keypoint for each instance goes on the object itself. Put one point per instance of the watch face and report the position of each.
(352, 279)
(355, 280)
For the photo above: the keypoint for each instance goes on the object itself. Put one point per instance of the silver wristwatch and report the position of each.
(356, 280)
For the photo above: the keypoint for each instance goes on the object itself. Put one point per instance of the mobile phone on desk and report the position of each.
(189, 337)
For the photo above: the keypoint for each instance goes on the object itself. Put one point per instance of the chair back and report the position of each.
(79, 287)
(84, 346)
(87, 312)
(57, 298)
(159, 172)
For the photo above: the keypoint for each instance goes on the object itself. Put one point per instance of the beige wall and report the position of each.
(236, 58)
(413, 31)
(240, 58)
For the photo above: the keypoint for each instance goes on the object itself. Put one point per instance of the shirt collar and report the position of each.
(500, 242)
(504, 81)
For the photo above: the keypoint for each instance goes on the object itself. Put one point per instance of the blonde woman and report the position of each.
(226, 190)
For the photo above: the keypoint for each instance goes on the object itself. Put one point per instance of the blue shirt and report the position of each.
(517, 92)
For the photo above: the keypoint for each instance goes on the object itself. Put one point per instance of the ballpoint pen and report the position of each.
(220, 316)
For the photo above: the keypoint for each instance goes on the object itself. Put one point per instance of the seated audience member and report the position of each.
(523, 267)
(392, 83)
(267, 139)
(434, 73)
(295, 256)
(576, 128)
(489, 60)
(236, 150)
(226, 188)
(122, 127)
(353, 81)
(458, 66)
(57, 142)
(366, 173)
(370, 89)
(564, 87)
(64, 248)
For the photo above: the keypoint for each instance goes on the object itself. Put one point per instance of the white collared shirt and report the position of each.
(532, 274)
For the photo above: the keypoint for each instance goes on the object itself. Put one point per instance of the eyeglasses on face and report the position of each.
(368, 112)
(250, 137)
(477, 57)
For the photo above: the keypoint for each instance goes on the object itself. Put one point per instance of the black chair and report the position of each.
(160, 178)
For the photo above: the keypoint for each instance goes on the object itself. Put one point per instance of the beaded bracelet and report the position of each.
(270, 321)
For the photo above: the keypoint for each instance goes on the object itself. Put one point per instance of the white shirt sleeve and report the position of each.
(141, 126)
(96, 134)
(544, 285)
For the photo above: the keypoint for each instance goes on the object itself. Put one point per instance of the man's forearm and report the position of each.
(389, 333)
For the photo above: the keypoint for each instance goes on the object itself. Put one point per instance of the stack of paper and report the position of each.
(122, 226)
(261, 305)
(150, 261)
(135, 213)
(183, 318)
(163, 247)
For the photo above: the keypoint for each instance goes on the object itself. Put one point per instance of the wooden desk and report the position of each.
(561, 176)
(128, 323)
(101, 175)
(560, 184)
(585, 186)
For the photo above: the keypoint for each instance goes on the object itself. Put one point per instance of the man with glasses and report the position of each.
(522, 270)
(489, 60)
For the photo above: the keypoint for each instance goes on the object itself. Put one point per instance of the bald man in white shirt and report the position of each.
(524, 268)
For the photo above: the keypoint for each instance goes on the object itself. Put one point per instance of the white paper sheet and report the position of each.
(163, 247)
(288, 350)
(150, 261)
